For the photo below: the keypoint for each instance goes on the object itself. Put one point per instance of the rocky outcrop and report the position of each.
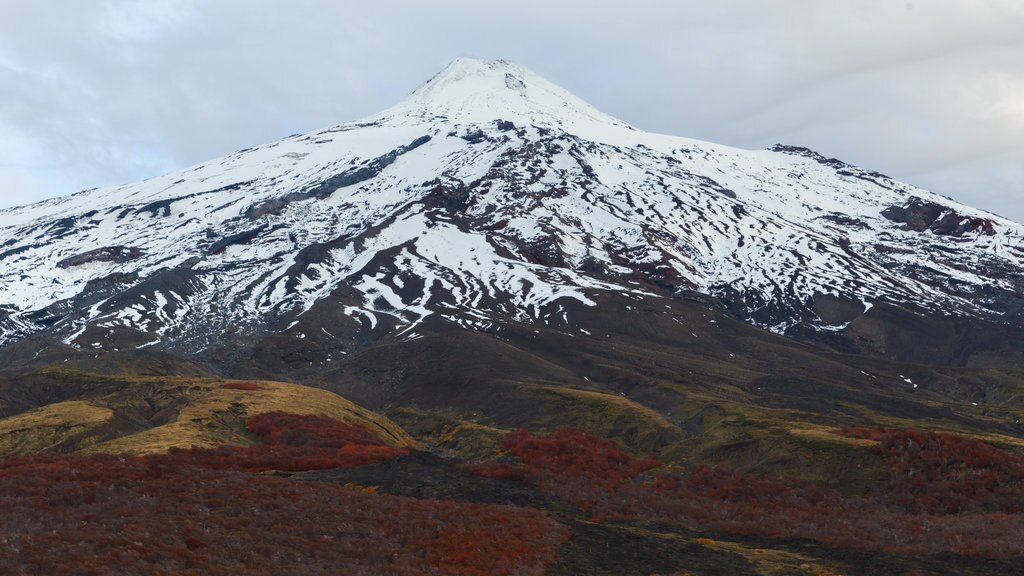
(116, 254)
(362, 173)
(921, 216)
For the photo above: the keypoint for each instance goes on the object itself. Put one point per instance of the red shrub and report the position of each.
(566, 454)
(934, 472)
(719, 500)
(291, 443)
(108, 515)
(197, 512)
(280, 428)
(782, 510)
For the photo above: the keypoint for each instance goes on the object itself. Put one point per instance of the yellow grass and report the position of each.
(634, 425)
(768, 562)
(613, 400)
(44, 428)
(831, 434)
(171, 411)
(827, 434)
(211, 418)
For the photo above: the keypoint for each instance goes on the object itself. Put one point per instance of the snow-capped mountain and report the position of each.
(489, 195)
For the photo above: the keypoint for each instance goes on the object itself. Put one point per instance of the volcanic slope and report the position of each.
(491, 195)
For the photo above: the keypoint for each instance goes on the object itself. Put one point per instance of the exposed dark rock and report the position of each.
(16, 251)
(504, 125)
(885, 249)
(916, 214)
(366, 171)
(545, 251)
(714, 185)
(159, 208)
(836, 310)
(44, 317)
(920, 215)
(845, 220)
(514, 83)
(162, 208)
(274, 206)
(808, 153)
(111, 281)
(61, 228)
(652, 273)
(448, 193)
(953, 224)
(245, 237)
(116, 254)
(842, 168)
(475, 137)
(594, 267)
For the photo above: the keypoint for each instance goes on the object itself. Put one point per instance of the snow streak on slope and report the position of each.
(490, 194)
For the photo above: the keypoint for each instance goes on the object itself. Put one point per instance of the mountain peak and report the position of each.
(475, 91)
(463, 69)
(434, 209)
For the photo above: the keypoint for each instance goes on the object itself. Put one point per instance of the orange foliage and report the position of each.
(197, 512)
(107, 515)
(293, 443)
(566, 453)
(719, 500)
(940, 473)
(280, 428)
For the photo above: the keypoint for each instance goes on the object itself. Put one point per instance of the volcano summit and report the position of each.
(505, 333)
(488, 196)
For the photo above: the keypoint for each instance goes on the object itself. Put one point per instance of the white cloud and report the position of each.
(932, 92)
(143, 21)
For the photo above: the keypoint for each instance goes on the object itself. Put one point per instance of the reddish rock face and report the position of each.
(920, 216)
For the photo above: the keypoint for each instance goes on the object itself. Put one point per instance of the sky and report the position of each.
(930, 92)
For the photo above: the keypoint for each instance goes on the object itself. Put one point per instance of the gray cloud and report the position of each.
(95, 93)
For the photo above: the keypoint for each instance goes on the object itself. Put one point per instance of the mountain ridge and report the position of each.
(492, 195)
(521, 297)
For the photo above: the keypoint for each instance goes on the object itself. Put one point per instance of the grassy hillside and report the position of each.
(151, 414)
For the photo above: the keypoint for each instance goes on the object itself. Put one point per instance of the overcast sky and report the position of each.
(103, 92)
